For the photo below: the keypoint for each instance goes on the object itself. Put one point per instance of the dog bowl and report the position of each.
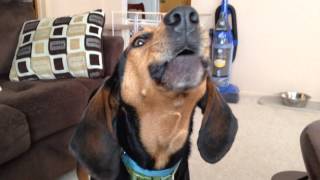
(294, 99)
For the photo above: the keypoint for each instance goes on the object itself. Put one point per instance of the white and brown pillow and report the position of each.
(64, 47)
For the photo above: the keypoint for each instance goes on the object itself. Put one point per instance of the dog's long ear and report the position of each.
(219, 126)
(94, 142)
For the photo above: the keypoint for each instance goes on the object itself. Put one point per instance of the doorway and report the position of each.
(167, 5)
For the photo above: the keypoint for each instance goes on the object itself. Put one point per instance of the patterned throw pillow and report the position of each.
(64, 47)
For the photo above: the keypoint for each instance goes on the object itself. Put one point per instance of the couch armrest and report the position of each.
(50, 106)
(112, 48)
(14, 133)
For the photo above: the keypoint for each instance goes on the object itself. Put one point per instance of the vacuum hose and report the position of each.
(234, 27)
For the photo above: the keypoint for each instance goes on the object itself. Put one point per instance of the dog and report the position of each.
(138, 123)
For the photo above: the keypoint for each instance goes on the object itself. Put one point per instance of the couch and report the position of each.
(310, 147)
(37, 118)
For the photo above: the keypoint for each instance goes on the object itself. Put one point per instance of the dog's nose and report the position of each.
(182, 19)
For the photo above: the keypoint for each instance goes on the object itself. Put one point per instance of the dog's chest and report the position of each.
(163, 131)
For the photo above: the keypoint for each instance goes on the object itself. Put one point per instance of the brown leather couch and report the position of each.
(37, 118)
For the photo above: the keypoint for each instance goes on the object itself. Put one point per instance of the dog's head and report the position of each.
(161, 64)
(173, 56)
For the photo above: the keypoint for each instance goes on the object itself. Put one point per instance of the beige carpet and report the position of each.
(267, 143)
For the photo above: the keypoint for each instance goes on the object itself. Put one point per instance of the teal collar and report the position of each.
(137, 172)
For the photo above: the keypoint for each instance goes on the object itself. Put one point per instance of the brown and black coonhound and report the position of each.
(146, 107)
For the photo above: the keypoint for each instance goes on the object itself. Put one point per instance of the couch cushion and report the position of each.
(49, 106)
(48, 159)
(91, 84)
(14, 133)
(59, 48)
(12, 16)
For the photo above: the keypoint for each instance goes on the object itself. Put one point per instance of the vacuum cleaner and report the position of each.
(224, 49)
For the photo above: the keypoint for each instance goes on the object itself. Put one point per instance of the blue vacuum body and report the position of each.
(224, 49)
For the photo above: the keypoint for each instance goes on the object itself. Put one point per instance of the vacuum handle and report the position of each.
(234, 28)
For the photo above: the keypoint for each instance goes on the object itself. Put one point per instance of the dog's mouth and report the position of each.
(186, 52)
(184, 71)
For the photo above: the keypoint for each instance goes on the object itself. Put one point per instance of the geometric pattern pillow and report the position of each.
(64, 47)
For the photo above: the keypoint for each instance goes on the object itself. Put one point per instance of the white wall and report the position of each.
(278, 46)
(56, 8)
(69, 7)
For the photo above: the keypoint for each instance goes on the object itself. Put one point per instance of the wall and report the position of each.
(278, 46)
(56, 8)
(69, 7)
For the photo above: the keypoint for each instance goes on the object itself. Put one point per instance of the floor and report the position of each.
(267, 143)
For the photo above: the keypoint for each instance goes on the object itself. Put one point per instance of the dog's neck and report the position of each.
(163, 127)
(128, 135)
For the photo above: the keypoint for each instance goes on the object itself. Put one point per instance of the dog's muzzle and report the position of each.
(185, 69)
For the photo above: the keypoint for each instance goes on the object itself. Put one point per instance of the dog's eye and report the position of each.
(139, 42)
(142, 39)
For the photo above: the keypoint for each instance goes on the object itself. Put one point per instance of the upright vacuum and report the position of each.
(224, 49)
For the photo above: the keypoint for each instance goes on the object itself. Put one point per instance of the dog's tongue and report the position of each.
(183, 71)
